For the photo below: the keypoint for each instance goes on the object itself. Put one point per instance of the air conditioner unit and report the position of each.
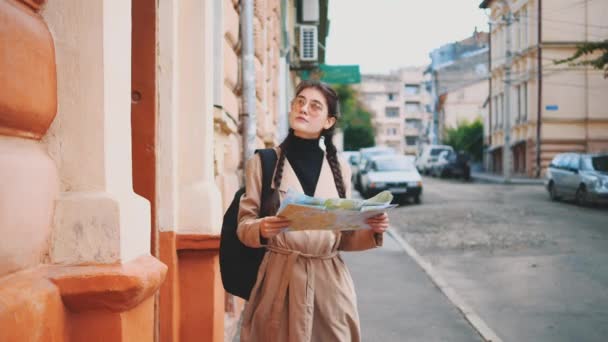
(309, 11)
(308, 43)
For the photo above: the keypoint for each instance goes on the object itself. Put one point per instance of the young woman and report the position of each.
(303, 290)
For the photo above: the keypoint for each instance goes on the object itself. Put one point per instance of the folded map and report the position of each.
(309, 213)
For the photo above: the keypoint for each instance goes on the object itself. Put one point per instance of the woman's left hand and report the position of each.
(378, 223)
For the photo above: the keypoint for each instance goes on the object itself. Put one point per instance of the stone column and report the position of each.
(188, 201)
(98, 219)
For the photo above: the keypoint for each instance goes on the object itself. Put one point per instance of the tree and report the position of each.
(600, 62)
(356, 137)
(466, 137)
(356, 121)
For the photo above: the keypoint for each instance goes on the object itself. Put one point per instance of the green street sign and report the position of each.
(334, 74)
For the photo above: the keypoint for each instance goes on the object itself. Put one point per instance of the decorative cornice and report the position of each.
(201, 242)
(116, 288)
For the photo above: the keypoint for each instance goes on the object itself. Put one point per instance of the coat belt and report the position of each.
(286, 273)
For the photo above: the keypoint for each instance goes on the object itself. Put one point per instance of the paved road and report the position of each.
(534, 270)
(399, 302)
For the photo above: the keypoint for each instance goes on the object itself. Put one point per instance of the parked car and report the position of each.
(352, 157)
(452, 164)
(582, 177)
(365, 154)
(395, 173)
(429, 155)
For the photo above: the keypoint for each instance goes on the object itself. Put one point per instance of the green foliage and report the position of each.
(357, 137)
(356, 122)
(600, 62)
(466, 137)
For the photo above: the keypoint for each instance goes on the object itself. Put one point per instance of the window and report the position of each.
(391, 131)
(495, 112)
(516, 32)
(599, 163)
(392, 112)
(563, 161)
(523, 23)
(574, 162)
(519, 106)
(391, 96)
(413, 123)
(397, 164)
(411, 141)
(412, 106)
(501, 110)
(557, 160)
(412, 89)
(524, 102)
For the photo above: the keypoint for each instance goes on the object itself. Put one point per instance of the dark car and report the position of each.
(452, 164)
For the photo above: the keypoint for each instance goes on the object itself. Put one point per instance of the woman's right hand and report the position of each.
(273, 225)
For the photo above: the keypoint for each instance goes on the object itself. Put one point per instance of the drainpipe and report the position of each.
(248, 115)
(540, 89)
(490, 132)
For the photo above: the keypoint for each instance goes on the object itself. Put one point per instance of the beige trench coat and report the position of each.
(304, 291)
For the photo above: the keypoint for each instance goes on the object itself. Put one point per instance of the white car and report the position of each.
(429, 156)
(395, 173)
(364, 155)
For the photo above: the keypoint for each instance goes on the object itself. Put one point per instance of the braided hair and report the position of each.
(331, 153)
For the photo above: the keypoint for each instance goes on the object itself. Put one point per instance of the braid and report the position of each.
(332, 159)
(274, 201)
(278, 176)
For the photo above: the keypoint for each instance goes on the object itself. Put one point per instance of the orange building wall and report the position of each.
(39, 301)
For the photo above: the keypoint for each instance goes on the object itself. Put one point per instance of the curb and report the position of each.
(513, 181)
(473, 318)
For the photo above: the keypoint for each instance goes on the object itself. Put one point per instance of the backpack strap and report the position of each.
(269, 161)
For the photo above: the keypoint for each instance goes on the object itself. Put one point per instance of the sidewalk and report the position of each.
(499, 179)
(399, 302)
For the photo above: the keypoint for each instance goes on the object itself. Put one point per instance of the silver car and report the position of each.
(582, 177)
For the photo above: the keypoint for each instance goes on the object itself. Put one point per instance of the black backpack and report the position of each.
(239, 264)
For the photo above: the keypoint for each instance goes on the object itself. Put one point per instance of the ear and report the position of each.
(329, 122)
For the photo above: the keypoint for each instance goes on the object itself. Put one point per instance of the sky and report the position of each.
(384, 35)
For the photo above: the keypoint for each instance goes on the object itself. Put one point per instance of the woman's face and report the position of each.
(309, 114)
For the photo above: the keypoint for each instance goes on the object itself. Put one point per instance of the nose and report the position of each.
(304, 108)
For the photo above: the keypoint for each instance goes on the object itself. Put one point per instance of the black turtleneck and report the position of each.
(306, 158)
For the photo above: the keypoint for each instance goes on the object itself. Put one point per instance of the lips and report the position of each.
(301, 118)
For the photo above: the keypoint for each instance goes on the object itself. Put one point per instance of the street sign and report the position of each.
(552, 107)
(334, 74)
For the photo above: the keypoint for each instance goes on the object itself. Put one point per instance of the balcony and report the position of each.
(411, 131)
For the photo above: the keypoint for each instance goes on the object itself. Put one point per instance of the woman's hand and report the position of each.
(378, 223)
(273, 225)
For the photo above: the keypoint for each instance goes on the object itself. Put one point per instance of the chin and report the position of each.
(300, 126)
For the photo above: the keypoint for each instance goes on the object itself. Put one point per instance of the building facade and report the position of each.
(399, 104)
(121, 145)
(459, 82)
(549, 108)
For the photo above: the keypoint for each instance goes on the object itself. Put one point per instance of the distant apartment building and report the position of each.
(399, 103)
(552, 108)
(459, 82)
